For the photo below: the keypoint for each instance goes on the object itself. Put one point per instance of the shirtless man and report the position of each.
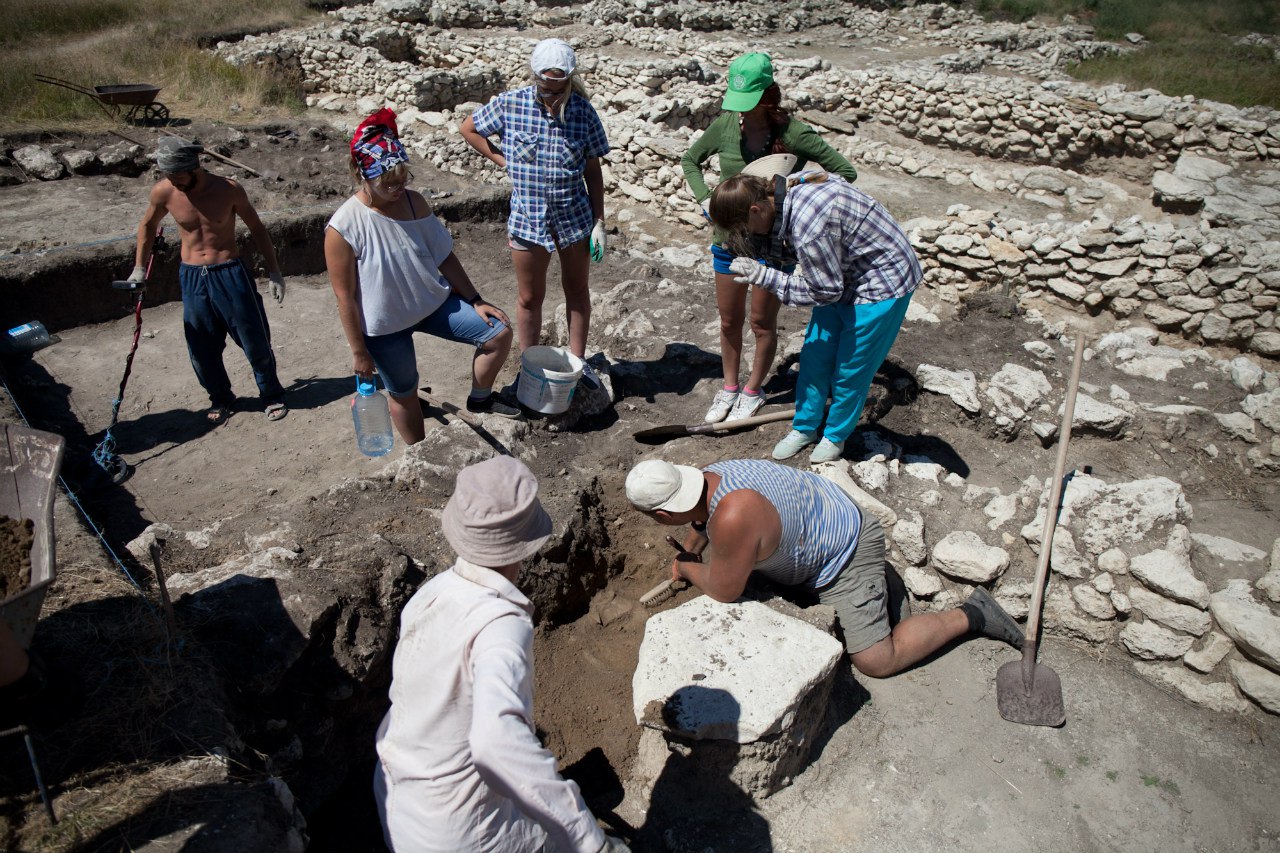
(219, 296)
(799, 529)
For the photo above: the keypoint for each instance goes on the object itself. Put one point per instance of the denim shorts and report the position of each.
(722, 257)
(393, 353)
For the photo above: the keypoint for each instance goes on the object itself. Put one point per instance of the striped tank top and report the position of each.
(820, 522)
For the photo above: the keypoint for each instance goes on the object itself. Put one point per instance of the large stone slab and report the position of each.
(1180, 617)
(1214, 695)
(960, 385)
(1015, 390)
(1255, 629)
(1168, 571)
(1150, 641)
(734, 672)
(1260, 685)
(963, 554)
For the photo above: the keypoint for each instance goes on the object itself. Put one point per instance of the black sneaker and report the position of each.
(494, 404)
(988, 618)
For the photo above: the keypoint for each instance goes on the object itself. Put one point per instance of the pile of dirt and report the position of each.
(16, 536)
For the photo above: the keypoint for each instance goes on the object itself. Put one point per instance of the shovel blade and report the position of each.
(1037, 703)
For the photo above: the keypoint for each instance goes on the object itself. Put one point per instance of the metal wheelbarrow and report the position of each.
(140, 98)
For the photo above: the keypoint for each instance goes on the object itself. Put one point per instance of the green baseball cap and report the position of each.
(749, 75)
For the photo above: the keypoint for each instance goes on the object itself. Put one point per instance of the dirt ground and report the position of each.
(918, 762)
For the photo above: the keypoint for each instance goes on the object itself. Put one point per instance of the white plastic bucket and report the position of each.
(548, 377)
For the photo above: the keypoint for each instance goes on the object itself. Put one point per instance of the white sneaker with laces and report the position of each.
(746, 406)
(720, 406)
(827, 451)
(792, 443)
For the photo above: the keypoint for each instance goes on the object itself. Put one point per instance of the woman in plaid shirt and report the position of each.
(856, 268)
(552, 142)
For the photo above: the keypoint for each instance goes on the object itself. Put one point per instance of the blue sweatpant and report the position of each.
(220, 300)
(843, 348)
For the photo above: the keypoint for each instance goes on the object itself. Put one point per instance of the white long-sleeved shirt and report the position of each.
(460, 766)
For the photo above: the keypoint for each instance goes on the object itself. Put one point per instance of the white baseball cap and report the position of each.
(655, 484)
(551, 54)
(774, 164)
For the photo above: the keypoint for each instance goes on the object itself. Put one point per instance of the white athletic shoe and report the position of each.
(827, 451)
(746, 406)
(720, 407)
(792, 443)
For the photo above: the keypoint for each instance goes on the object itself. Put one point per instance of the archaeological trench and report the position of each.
(1041, 208)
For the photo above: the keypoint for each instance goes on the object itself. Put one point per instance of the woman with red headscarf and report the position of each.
(392, 268)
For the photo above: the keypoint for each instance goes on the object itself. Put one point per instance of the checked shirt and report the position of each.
(545, 161)
(849, 248)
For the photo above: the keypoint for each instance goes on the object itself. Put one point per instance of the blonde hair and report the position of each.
(398, 172)
(575, 85)
(731, 204)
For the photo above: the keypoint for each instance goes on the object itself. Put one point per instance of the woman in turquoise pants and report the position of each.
(856, 268)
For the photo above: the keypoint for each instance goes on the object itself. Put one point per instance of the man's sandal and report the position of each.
(276, 411)
(218, 415)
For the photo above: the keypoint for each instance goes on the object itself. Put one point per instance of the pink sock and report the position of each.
(732, 389)
(751, 393)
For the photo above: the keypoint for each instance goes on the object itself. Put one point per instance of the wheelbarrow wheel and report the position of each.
(155, 113)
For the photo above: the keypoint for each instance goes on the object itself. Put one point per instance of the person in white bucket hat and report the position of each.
(460, 767)
(552, 144)
(752, 131)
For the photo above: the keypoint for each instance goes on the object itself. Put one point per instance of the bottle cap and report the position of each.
(366, 387)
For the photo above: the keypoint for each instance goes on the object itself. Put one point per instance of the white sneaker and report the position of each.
(724, 401)
(827, 451)
(746, 406)
(792, 443)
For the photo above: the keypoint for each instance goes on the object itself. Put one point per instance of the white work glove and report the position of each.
(277, 287)
(598, 241)
(747, 271)
(706, 208)
(138, 275)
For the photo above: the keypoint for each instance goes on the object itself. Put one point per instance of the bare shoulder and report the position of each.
(161, 192)
(744, 511)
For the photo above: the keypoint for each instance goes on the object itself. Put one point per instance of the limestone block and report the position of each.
(1015, 390)
(1258, 684)
(1266, 343)
(1062, 614)
(1066, 559)
(1238, 425)
(1173, 189)
(908, 535)
(962, 554)
(960, 385)
(1015, 597)
(1168, 571)
(1264, 407)
(1196, 168)
(1112, 268)
(1216, 695)
(1096, 416)
(1269, 583)
(1207, 657)
(1255, 629)
(837, 472)
(1227, 550)
(922, 582)
(1093, 602)
(1126, 512)
(872, 475)
(39, 161)
(1180, 617)
(1000, 509)
(1150, 641)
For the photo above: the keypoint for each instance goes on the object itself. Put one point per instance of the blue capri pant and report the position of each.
(393, 354)
(844, 346)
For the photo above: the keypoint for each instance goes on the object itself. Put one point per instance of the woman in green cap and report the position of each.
(753, 125)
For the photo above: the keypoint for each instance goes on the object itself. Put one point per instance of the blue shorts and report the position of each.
(722, 257)
(393, 353)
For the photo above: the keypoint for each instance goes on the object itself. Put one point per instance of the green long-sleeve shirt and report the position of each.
(724, 137)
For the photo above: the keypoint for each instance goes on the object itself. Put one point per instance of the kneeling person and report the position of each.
(800, 529)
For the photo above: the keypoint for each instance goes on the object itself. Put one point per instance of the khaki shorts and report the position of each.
(859, 593)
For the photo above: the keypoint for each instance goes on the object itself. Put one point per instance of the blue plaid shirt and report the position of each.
(545, 161)
(849, 248)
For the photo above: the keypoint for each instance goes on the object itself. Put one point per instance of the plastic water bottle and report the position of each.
(372, 418)
(28, 337)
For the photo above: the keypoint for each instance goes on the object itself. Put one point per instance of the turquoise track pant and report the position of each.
(844, 346)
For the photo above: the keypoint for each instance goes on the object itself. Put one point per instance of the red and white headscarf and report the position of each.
(376, 147)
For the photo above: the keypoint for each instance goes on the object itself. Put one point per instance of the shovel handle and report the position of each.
(1055, 495)
(725, 426)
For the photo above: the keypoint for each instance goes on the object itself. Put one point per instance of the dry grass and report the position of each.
(1192, 50)
(97, 42)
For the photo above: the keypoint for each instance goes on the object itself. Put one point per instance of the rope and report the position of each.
(105, 452)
